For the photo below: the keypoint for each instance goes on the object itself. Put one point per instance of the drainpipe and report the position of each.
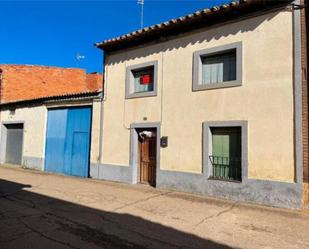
(102, 99)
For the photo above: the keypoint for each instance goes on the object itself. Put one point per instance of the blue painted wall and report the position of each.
(68, 141)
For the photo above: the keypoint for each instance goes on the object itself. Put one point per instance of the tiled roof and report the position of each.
(198, 19)
(31, 82)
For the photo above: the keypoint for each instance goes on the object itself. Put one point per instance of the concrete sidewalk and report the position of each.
(40, 210)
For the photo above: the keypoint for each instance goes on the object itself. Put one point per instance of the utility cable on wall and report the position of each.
(124, 102)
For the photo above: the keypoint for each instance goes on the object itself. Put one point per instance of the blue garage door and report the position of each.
(68, 141)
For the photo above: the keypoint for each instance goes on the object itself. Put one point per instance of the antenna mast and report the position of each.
(141, 3)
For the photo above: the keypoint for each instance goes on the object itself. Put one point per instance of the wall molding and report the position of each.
(271, 193)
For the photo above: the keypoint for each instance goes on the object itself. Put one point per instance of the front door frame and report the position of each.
(151, 166)
(134, 161)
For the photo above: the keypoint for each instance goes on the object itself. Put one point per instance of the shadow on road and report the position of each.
(30, 220)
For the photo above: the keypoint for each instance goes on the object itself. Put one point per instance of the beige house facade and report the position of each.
(208, 81)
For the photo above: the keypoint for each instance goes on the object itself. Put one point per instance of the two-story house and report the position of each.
(214, 102)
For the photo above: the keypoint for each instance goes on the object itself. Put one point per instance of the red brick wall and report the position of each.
(22, 82)
(94, 81)
(304, 20)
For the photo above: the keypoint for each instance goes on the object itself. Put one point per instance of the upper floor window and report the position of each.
(218, 67)
(141, 80)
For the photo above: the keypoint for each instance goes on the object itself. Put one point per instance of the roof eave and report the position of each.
(59, 98)
(197, 20)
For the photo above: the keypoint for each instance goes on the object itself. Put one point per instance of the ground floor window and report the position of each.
(225, 156)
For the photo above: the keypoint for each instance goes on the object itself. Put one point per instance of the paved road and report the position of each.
(39, 210)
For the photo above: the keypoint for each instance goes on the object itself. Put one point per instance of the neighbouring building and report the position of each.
(47, 116)
(214, 103)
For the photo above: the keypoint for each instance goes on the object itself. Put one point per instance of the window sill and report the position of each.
(141, 95)
(223, 180)
(227, 84)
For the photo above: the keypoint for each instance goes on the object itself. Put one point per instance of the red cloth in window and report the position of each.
(145, 79)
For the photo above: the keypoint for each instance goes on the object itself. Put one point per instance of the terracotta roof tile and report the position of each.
(27, 82)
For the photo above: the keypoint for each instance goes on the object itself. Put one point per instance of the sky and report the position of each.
(53, 33)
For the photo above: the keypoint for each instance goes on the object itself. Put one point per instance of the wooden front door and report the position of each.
(148, 153)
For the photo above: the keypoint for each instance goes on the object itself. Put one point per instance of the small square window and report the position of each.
(218, 67)
(225, 156)
(141, 80)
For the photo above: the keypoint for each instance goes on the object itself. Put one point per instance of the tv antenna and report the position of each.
(141, 3)
(80, 57)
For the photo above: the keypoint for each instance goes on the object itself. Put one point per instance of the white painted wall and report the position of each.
(35, 123)
(34, 119)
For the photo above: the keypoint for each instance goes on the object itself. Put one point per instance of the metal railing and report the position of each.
(226, 168)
